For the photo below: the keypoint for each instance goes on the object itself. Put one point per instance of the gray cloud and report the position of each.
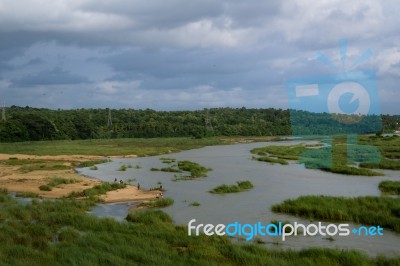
(55, 76)
(207, 53)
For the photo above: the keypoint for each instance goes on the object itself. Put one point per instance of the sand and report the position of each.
(14, 180)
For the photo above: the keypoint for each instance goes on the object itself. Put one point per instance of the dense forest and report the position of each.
(27, 124)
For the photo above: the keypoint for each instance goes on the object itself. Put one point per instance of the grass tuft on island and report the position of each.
(96, 190)
(390, 187)
(45, 232)
(158, 203)
(383, 211)
(56, 181)
(337, 157)
(93, 162)
(241, 186)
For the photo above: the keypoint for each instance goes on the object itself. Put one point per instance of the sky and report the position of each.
(187, 55)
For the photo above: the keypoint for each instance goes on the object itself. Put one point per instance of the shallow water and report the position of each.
(272, 184)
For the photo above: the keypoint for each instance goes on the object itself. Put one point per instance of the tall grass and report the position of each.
(62, 233)
(241, 186)
(93, 162)
(196, 170)
(96, 190)
(56, 181)
(335, 159)
(381, 211)
(158, 203)
(390, 187)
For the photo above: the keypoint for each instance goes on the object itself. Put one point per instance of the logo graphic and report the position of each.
(280, 229)
(341, 103)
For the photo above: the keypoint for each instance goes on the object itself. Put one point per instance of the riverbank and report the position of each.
(32, 174)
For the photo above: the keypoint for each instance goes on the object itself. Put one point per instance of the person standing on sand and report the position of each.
(138, 186)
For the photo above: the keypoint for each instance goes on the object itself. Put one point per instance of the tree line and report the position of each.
(31, 124)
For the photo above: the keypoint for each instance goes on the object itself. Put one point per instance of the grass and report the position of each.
(272, 160)
(170, 170)
(93, 162)
(195, 204)
(158, 203)
(196, 170)
(153, 169)
(167, 160)
(383, 211)
(241, 186)
(27, 195)
(45, 188)
(338, 158)
(383, 164)
(64, 234)
(96, 190)
(94, 167)
(122, 168)
(390, 187)
(56, 181)
(109, 147)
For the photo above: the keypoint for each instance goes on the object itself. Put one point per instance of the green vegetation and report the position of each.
(334, 158)
(154, 169)
(56, 181)
(93, 162)
(27, 195)
(381, 211)
(271, 160)
(195, 204)
(96, 190)
(170, 170)
(390, 187)
(196, 170)
(33, 124)
(64, 234)
(158, 203)
(61, 180)
(29, 165)
(383, 164)
(45, 188)
(167, 160)
(388, 146)
(241, 186)
(122, 168)
(109, 147)
(94, 167)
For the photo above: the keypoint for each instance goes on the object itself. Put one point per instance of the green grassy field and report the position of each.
(390, 187)
(64, 234)
(381, 211)
(340, 157)
(110, 147)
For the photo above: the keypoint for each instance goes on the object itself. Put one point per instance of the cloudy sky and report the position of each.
(179, 54)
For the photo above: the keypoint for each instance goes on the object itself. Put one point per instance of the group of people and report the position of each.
(120, 181)
(158, 196)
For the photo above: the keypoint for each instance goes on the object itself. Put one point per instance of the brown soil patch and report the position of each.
(14, 180)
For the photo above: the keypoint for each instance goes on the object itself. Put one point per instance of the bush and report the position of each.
(391, 187)
(241, 186)
(158, 203)
(45, 188)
